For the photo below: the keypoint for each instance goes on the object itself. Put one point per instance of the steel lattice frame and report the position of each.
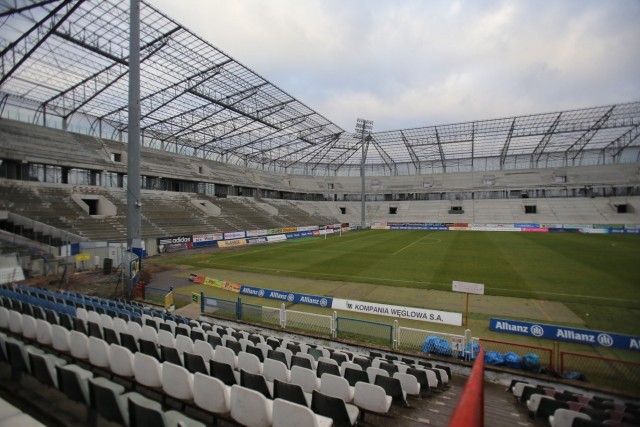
(68, 59)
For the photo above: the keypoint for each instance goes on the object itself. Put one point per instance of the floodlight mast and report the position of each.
(363, 129)
(134, 222)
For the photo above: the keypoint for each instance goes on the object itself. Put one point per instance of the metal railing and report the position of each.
(602, 371)
(154, 294)
(319, 324)
(364, 330)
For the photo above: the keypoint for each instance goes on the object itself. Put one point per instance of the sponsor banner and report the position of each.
(437, 228)
(455, 228)
(493, 228)
(277, 238)
(274, 231)
(289, 229)
(234, 235)
(577, 226)
(212, 237)
(308, 228)
(526, 225)
(256, 233)
(609, 226)
(627, 231)
(563, 230)
(551, 225)
(83, 257)
(285, 296)
(174, 244)
(411, 313)
(468, 287)
(232, 243)
(632, 226)
(595, 230)
(535, 230)
(168, 300)
(220, 284)
(561, 333)
(254, 240)
(460, 224)
(293, 235)
(316, 232)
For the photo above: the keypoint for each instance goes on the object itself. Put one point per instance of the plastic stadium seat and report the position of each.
(226, 355)
(278, 355)
(109, 400)
(224, 372)
(134, 329)
(362, 361)
(276, 370)
(15, 322)
(79, 345)
(43, 367)
(291, 392)
(422, 378)
(99, 353)
(165, 338)
(291, 414)
(302, 361)
(336, 386)
(149, 334)
(305, 378)
(211, 394)
(203, 349)
(149, 348)
(122, 361)
(148, 370)
(4, 318)
(195, 363)
(29, 327)
(73, 381)
(249, 362)
(110, 336)
(339, 357)
(145, 412)
(20, 419)
(409, 383)
(374, 372)
(214, 339)
(256, 382)
(564, 417)
(177, 382)
(170, 354)
(60, 337)
(327, 368)
(129, 341)
(354, 376)
(372, 398)
(335, 408)
(350, 365)
(250, 408)
(393, 388)
(255, 351)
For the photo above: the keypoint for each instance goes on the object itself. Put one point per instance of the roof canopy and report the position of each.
(67, 60)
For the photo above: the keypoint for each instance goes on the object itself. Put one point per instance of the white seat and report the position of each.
(79, 345)
(171, 324)
(120, 326)
(351, 365)
(276, 370)
(177, 382)
(227, 338)
(99, 353)
(184, 344)
(82, 314)
(94, 317)
(534, 402)
(371, 398)
(374, 372)
(44, 334)
(109, 397)
(244, 343)
(309, 358)
(166, 338)
(226, 355)
(4, 318)
(305, 378)
(249, 362)
(106, 321)
(250, 408)
(60, 337)
(185, 328)
(148, 371)
(134, 329)
(29, 327)
(288, 354)
(73, 379)
(335, 386)
(377, 361)
(443, 375)
(203, 349)
(50, 362)
(15, 322)
(211, 394)
(287, 414)
(328, 360)
(121, 361)
(564, 417)
(409, 383)
(265, 349)
(147, 333)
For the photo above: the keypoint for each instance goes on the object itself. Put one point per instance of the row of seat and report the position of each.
(564, 408)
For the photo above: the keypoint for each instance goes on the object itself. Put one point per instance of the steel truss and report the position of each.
(69, 58)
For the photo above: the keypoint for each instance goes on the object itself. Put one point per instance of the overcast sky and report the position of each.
(412, 63)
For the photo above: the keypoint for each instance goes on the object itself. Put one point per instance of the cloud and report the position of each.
(411, 63)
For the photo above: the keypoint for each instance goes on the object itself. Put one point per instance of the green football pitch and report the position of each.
(591, 280)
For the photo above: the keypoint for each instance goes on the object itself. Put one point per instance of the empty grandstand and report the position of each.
(229, 159)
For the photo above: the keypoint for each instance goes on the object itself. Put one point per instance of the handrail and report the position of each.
(469, 411)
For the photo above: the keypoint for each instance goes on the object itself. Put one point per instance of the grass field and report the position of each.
(574, 279)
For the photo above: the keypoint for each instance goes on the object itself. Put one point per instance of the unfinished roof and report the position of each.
(66, 61)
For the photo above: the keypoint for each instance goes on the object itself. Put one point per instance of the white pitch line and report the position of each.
(410, 244)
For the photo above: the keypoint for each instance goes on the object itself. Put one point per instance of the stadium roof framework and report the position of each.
(66, 63)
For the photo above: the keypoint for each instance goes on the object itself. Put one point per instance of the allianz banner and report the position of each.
(412, 313)
(561, 333)
(285, 296)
